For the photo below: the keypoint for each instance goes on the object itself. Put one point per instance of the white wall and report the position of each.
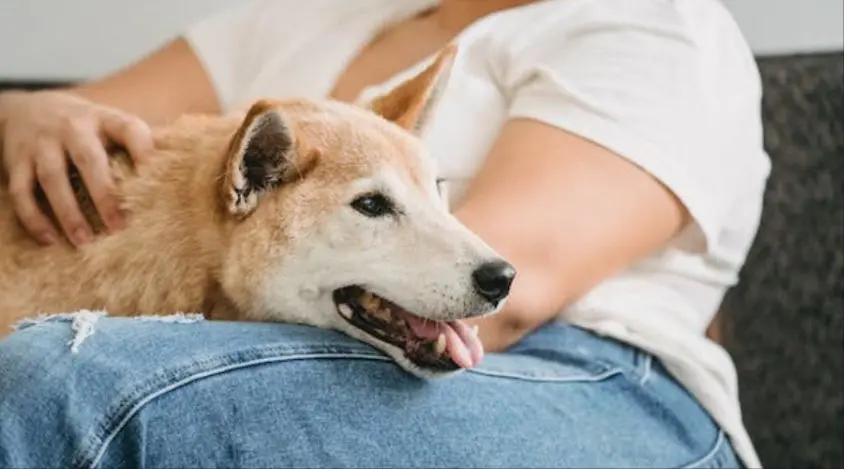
(69, 39)
(783, 26)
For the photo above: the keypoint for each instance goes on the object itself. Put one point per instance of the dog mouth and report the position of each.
(438, 346)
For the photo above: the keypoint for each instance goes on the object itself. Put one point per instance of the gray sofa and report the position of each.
(784, 323)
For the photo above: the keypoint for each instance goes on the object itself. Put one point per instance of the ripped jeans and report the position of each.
(213, 394)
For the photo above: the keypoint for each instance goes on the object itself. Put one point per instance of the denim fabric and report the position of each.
(213, 394)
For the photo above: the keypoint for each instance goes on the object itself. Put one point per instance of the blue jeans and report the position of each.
(212, 394)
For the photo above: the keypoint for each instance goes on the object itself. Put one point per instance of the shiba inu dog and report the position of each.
(299, 211)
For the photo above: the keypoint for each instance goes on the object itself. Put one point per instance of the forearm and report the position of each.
(567, 214)
(157, 88)
(533, 301)
(539, 291)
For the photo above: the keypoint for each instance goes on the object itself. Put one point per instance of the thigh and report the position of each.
(209, 394)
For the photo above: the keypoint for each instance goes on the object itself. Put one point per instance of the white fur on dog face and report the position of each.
(421, 259)
(305, 240)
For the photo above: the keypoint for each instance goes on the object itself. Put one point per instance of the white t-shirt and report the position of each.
(670, 85)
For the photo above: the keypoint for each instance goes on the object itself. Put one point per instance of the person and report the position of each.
(611, 150)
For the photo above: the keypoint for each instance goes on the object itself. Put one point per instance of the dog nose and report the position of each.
(492, 280)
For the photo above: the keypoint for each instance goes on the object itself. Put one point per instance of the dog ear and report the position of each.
(261, 156)
(410, 103)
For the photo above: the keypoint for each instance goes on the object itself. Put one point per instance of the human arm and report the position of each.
(619, 144)
(37, 130)
(156, 88)
(205, 70)
(567, 213)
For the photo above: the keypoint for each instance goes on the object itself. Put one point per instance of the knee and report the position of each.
(28, 356)
(34, 385)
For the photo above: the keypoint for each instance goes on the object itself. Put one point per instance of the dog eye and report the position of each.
(373, 205)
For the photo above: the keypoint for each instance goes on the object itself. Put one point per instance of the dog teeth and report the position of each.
(474, 329)
(345, 310)
(373, 305)
(440, 345)
(370, 302)
(383, 314)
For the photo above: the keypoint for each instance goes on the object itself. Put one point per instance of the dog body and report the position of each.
(299, 211)
(162, 262)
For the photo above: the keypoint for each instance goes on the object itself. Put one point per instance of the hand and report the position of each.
(39, 131)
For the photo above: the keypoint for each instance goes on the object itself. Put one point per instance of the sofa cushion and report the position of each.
(784, 322)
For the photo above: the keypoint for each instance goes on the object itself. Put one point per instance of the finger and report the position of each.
(51, 169)
(132, 133)
(90, 158)
(22, 190)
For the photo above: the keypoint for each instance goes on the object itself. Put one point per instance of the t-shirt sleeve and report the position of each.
(628, 76)
(232, 43)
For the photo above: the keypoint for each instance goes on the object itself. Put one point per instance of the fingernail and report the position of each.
(81, 236)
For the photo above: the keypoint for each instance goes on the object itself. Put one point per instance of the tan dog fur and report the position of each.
(191, 244)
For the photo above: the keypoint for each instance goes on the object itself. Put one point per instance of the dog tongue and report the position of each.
(462, 344)
(469, 339)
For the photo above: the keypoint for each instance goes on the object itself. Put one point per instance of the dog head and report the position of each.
(338, 223)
